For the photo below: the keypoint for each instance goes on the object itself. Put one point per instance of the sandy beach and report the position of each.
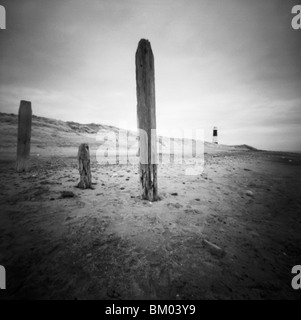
(232, 232)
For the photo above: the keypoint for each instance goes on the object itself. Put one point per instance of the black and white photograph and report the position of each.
(150, 150)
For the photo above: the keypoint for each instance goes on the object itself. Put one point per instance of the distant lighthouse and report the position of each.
(214, 139)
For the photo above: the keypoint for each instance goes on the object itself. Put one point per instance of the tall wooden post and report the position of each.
(84, 167)
(146, 116)
(24, 136)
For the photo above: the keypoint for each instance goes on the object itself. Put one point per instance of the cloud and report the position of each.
(231, 64)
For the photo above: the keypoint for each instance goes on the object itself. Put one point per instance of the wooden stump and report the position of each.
(146, 116)
(84, 167)
(24, 136)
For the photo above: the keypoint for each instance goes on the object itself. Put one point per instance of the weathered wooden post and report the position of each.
(146, 116)
(24, 136)
(84, 167)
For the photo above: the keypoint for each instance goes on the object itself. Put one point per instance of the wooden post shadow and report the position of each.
(146, 116)
(24, 136)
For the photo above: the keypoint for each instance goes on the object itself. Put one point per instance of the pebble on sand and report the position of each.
(213, 248)
(249, 193)
(67, 194)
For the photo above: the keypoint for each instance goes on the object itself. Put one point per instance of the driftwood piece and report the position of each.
(84, 167)
(146, 116)
(24, 136)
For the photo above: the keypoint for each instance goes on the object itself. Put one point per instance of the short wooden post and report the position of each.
(24, 136)
(84, 167)
(146, 114)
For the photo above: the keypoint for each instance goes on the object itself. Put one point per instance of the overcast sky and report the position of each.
(233, 64)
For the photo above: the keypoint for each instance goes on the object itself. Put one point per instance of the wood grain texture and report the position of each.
(24, 136)
(84, 167)
(146, 119)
